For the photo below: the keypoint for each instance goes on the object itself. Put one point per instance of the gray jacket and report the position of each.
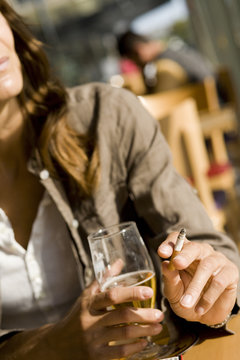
(138, 181)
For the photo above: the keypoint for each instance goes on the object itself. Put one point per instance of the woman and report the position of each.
(72, 161)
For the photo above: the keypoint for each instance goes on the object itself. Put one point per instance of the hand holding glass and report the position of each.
(120, 258)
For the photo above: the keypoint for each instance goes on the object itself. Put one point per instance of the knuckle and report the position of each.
(195, 290)
(207, 300)
(235, 273)
(218, 282)
(207, 264)
(136, 293)
(193, 246)
(125, 314)
(126, 332)
(123, 351)
(173, 299)
(112, 295)
(208, 247)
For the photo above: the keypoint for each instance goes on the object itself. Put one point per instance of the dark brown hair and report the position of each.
(126, 43)
(43, 101)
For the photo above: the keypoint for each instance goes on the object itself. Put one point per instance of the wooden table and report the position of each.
(222, 348)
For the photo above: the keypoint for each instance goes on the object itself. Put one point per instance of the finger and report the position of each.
(203, 274)
(224, 304)
(128, 315)
(126, 332)
(191, 252)
(172, 282)
(220, 283)
(166, 248)
(114, 269)
(121, 351)
(120, 295)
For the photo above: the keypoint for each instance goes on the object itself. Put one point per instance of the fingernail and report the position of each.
(147, 292)
(165, 249)
(158, 314)
(187, 300)
(157, 328)
(200, 310)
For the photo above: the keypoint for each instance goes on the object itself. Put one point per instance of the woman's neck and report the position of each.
(12, 150)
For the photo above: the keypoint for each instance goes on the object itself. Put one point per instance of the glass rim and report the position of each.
(119, 228)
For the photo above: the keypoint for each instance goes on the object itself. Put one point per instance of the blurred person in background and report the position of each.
(164, 67)
(74, 160)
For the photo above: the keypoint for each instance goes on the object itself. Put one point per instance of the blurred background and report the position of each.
(81, 34)
(80, 37)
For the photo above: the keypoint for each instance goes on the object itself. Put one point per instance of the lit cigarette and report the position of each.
(177, 248)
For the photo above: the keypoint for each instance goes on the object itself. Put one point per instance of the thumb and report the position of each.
(172, 282)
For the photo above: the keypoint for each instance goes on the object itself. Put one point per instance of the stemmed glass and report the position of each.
(120, 258)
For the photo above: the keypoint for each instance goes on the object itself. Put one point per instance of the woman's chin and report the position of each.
(10, 87)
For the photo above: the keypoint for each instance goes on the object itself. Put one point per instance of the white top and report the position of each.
(40, 284)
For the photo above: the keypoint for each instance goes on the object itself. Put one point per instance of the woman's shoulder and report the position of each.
(97, 91)
(101, 101)
(112, 110)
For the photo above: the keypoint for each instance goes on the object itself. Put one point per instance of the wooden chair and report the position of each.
(216, 120)
(204, 93)
(214, 123)
(183, 132)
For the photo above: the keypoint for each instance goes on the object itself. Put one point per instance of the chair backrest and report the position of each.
(204, 93)
(182, 129)
(170, 75)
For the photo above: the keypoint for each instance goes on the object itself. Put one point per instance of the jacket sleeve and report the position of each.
(161, 196)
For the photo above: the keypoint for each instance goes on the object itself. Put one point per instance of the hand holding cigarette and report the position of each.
(203, 286)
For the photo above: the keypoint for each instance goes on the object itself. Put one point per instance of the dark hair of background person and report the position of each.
(43, 101)
(126, 43)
